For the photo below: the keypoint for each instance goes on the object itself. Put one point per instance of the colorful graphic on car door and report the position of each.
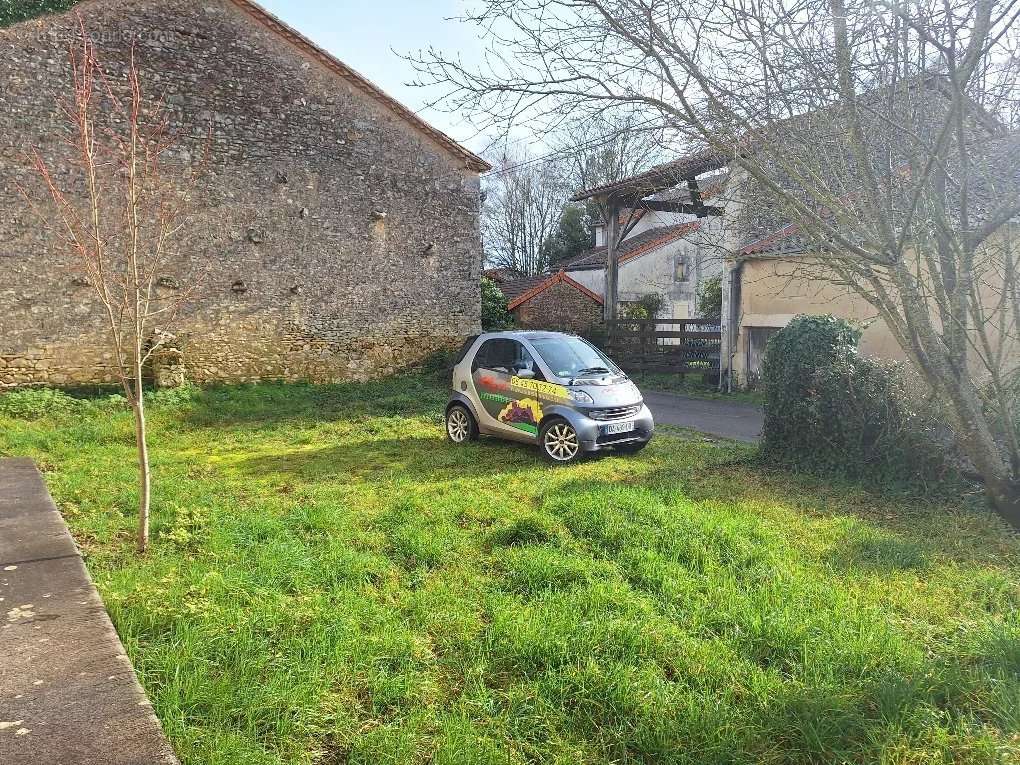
(524, 414)
(508, 398)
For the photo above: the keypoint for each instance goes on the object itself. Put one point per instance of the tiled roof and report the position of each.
(634, 246)
(995, 171)
(786, 239)
(547, 282)
(671, 174)
(500, 275)
(660, 177)
(710, 187)
(516, 287)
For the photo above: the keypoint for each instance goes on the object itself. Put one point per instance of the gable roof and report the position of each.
(634, 246)
(544, 283)
(335, 65)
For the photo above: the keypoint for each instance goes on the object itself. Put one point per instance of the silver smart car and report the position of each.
(549, 388)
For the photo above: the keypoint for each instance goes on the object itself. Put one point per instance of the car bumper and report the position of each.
(594, 437)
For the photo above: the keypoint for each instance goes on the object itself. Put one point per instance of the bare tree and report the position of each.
(120, 214)
(607, 149)
(879, 131)
(523, 201)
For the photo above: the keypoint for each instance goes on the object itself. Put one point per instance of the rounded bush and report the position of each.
(495, 316)
(828, 408)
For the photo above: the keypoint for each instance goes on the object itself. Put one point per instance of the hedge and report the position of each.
(827, 408)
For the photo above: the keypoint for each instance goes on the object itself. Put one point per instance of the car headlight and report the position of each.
(581, 397)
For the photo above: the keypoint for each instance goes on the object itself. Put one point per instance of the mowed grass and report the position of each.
(330, 582)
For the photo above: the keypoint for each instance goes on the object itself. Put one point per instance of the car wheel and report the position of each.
(460, 425)
(559, 442)
(632, 448)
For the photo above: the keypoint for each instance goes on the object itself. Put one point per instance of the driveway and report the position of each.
(728, 419)
(67, 690)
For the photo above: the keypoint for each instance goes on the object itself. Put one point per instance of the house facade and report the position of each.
(337, 233)
(668, 261)
(775, 272)
(771, 281)
(668, 243)
(770, 273)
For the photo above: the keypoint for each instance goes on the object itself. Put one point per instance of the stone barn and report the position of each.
(553, 302)
(339, 231)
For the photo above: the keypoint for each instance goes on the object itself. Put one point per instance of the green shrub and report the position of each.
(36, 403)
(173, 398)
(710, 298)
(494, 313)
(13, 11)
(827, 408)
(648, 306)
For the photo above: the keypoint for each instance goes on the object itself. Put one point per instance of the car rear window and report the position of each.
(464, 349)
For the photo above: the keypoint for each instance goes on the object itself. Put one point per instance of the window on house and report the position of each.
(757, 339)
(680, 273)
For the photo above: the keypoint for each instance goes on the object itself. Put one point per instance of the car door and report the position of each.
(499, 366)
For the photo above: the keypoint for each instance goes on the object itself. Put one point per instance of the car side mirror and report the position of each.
(525, 373)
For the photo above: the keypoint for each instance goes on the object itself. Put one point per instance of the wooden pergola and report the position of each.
(632, 194)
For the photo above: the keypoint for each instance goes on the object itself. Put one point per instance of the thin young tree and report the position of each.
(117, 203)
(883, 133)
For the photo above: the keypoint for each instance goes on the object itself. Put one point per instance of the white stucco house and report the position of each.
(669, 254)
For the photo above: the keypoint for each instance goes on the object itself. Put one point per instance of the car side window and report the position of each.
(524, 360)
(494, 355)
(506, 357)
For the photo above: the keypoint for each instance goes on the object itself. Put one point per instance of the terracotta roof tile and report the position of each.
(516, 287)
(660, 177)
(545, 283)
(634, 246)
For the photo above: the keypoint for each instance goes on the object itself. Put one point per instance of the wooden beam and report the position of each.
(696, 200)
(701, 211)
(612, 260)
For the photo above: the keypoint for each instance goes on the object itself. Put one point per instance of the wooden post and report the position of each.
(612, 260)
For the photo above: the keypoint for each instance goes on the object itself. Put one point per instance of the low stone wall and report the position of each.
(247, 360)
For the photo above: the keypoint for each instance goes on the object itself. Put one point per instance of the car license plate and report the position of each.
(618, 427)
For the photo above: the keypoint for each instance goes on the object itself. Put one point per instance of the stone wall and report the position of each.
(559, 307)
(333, 238)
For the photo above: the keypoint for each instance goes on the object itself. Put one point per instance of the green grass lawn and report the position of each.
(330, 582)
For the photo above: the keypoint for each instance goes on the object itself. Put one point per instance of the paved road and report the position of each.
(68, 694)
(728, 419)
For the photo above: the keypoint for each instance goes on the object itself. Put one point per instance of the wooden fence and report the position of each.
(675, 346)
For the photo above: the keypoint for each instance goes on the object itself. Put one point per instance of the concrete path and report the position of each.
(68, 694)
(728, 419)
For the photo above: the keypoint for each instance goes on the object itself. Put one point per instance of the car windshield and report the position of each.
(570, 357)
